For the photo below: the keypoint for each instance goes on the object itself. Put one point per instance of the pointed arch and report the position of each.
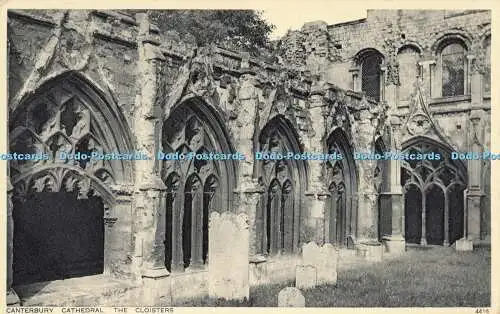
(441, 182)
(342, 210)
(72, 103)
(68, 114)
(283, 182)
(195, 129)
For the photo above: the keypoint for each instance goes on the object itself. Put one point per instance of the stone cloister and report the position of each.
(106, 81)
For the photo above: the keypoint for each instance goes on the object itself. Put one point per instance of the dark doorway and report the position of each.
(338, 224)
(413, 214)
(57, 236)
(434, 222)
(456, 206)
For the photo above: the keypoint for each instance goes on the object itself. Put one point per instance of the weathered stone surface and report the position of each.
(228, 255)
(371, 250)
(305, 277)
(324, 259)
(464, 245)
(291, 297)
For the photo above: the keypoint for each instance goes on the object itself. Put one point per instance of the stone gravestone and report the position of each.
(324, 259)
(291, 297)
(228, 248)
(305, 277)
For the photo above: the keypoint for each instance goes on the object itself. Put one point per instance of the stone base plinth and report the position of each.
(371, 250)
(464, 245)
(156, 287)
(394, 246)
(12, 298)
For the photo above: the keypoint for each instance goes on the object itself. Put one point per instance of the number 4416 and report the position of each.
(482, 311)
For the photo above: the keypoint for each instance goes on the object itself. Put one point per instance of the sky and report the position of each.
(292, 15)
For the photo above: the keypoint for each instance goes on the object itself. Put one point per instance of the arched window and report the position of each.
(341, 178)
(195, 186)
(408, 71)
(277, 217)
(487, 66)
(453, 69)
(371, 74)
(433, 191)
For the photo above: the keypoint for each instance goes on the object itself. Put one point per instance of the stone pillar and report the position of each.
(118, 221)
(246, 132)
(12, 298)
(318, 194)
(248, 190)
(395, 243)
(149, 198)
(367, 195)
(474, 195)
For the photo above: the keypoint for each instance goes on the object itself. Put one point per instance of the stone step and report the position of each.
(85, 291)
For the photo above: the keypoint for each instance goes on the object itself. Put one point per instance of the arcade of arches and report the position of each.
(147, 219)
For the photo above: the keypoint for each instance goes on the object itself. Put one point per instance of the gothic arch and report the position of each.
(66, 111)
(283, 183)
(201, 185)
(434, 211)
(65, 115)
(342, 180)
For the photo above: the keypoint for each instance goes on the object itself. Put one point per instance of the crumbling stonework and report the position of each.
(133, 87)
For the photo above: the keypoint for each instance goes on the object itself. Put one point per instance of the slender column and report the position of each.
(197, 229)
(423, 240)
(178, 213)
(446, 221)
(431, 82)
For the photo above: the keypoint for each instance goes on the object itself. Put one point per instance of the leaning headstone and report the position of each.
(305, 276)
(228, 276)
(324, 259)
(291, 297)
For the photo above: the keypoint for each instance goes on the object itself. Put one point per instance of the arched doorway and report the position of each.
(58, 227)
(433, 192)
(342, 183)
(61, 203)
(196, 185)
(283, 183)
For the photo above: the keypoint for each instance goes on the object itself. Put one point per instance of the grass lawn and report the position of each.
(425, 277)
